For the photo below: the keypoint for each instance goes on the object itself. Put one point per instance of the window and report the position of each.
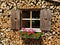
(30, 19)
(40, 19)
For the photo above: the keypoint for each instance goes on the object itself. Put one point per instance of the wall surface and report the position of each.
(8, 36)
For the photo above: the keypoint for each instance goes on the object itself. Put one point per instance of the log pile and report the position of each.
(9, 37)
(52, 37)
(25, 4)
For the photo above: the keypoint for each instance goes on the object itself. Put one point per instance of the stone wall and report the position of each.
(8, 36)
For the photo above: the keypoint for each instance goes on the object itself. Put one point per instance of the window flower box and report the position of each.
(30, 33)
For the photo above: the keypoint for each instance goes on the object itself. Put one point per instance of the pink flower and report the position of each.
(31, 31)
(23, 28)
(34, 30)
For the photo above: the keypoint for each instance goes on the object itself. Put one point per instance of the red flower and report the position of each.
(24, 32)
(29, 33)
(36, 35)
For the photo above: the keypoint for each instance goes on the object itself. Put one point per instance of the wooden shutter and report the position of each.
(15, 19)
(45, 16)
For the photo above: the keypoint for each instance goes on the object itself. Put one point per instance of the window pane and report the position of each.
(26, 14)
(35, 14)
(36, 23)
(25, 24)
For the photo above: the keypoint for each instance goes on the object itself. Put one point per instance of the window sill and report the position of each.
(35, 29)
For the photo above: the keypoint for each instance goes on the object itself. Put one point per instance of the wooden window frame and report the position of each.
(31, 18)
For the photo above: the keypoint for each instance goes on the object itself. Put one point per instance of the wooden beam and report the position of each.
(31, 19)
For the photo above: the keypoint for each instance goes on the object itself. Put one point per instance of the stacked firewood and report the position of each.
(9, 37)
(52, 37)
(29, 4)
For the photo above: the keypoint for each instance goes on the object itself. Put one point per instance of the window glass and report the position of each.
(30, 20)
(25, 24)
(35, 14)
(35, 23)
(26, 14)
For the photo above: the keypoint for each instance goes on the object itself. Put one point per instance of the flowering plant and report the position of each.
(29, 33)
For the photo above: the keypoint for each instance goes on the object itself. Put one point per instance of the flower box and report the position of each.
(30, 33)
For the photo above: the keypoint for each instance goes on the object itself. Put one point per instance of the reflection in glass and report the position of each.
(35, 23)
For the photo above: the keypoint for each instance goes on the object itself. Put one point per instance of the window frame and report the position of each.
(31, 18)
